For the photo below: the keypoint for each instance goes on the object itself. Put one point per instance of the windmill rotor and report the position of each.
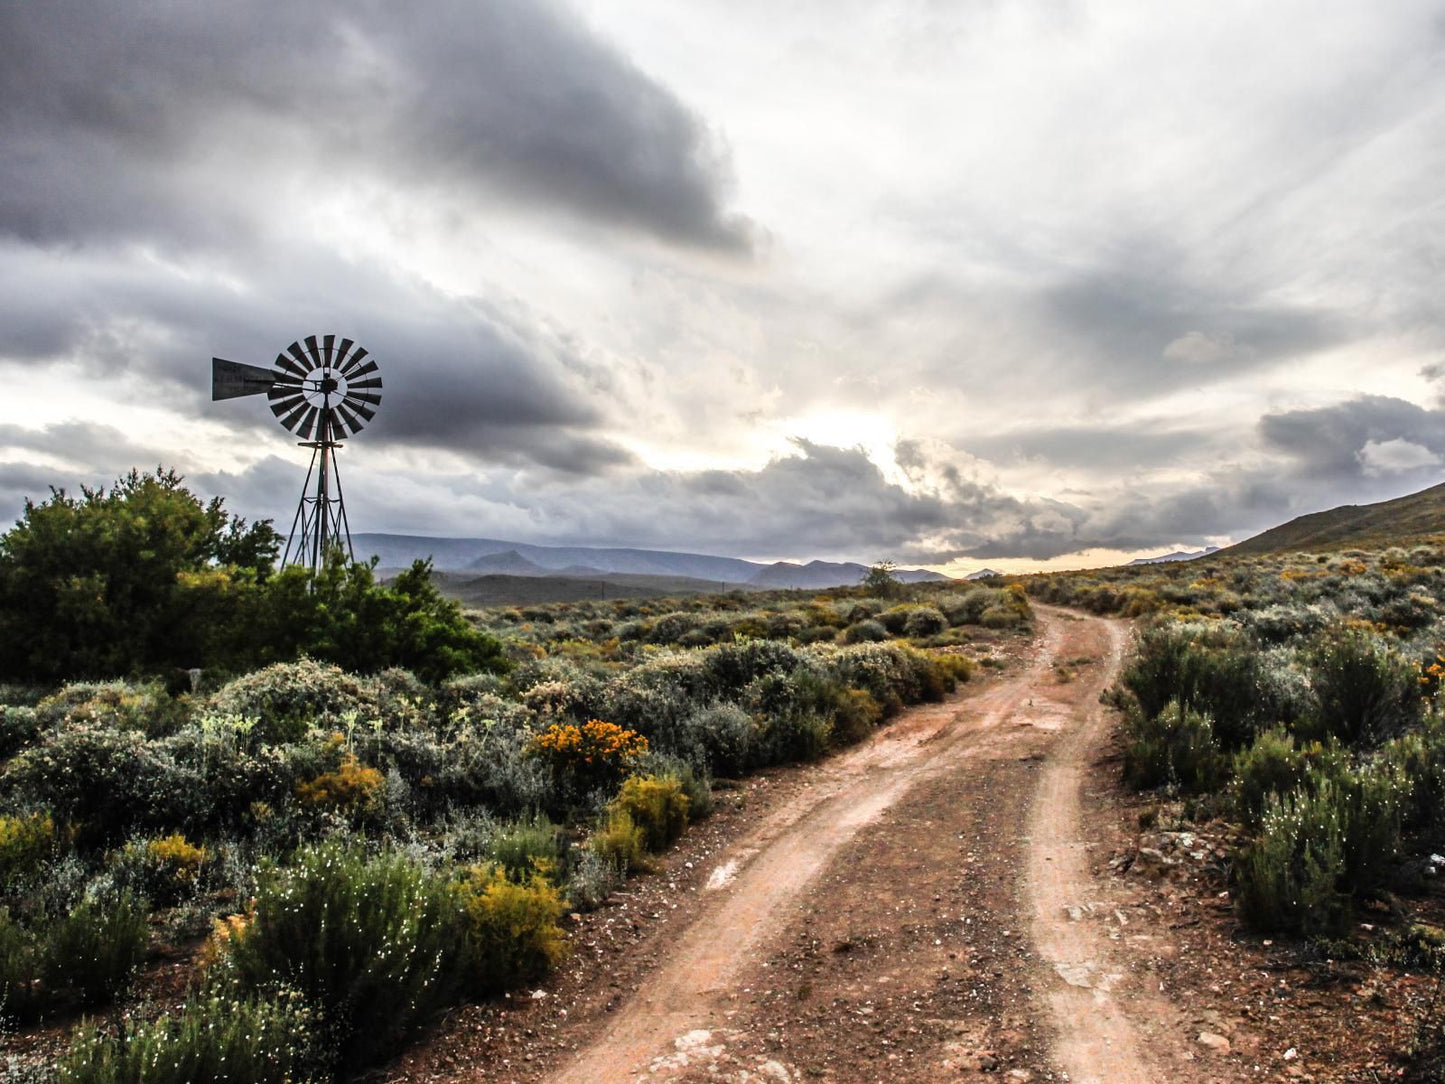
(322, 389)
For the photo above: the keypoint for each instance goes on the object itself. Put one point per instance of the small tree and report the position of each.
(880, 581)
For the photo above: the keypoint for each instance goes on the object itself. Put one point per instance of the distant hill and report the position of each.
(816, 575)
(482, 556)
(510, 563)
(495, 589)
(459, 554)
(983, 574)
(1177, 555)
(1386, 523)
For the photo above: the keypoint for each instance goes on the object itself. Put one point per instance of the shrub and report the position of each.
(94, 950)
(1419, 756)
(511, 928)
(866, 631)
(20, 969)
(211, 1038)
(20, 726)
(108, 783)
(591, 755)
(1207, 669)
(1272, 766)
(925, 621)
(163, 869)
(620, 843)
(1365, 691)
(1333, 837)
(1288, 878)
(368, 940)
(856, 714)
(351, 788)
(288, 698)
(529, 847)
(25, 843)
(1175, 747)
(657, 806)
(718, 738)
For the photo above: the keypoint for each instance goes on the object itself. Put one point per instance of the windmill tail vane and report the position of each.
(322, 388)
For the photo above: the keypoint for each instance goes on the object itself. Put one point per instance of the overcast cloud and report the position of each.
(956, 284)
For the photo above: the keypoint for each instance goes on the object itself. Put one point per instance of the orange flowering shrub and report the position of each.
(593, 754)
(350, 788)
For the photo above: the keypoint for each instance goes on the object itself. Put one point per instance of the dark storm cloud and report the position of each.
(476, 378)
(170, 121)
(1332, 442)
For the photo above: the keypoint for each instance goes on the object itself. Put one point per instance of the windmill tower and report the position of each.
(322, 392)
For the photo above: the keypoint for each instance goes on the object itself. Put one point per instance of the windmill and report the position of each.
(322, 392)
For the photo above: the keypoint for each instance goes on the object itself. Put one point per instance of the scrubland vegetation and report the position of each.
(1298, 696)
(392, 814)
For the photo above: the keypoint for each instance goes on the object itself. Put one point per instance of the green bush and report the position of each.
(1288, 878)
(655, 805)
(369, 940)
(1419, 756)
(528, 847)
(1333, 837)
(21, 993)
(1272, 766)
(866, 631)
(1365, 691)
(1174, 748)
(94, 950)
(1207, 669)
(512, 934)
(925, 621)
(211, 1039)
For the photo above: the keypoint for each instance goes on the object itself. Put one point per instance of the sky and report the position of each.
(955, 283)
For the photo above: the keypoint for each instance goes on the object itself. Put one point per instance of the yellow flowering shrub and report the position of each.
(177, 857)
(24, 843)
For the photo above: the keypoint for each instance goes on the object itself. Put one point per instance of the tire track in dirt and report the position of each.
(1085, 984)
(774, 866)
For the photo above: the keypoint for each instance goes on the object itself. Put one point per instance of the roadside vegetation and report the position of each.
(1297, 699)
(367, 806)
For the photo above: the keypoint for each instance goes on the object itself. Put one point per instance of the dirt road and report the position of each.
(923, 910)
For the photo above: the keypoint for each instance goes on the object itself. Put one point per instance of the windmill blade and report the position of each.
(314, 350)
(308, 424)
(372, 383)
(327, 342)
(348, 419)
(302, 364)
(356, 359)
(285, 389)
(355, 403)
(292, 420)
(282, 406)
(288, 369)
(364, 370)
(342, 349)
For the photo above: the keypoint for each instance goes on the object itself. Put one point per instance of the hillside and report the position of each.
(1387, 523)
(530, 589)
(479, 556)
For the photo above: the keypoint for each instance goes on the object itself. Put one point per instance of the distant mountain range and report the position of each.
(1404, 519)
(495, 557)
(1177, 555)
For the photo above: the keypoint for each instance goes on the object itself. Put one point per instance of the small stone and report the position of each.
(1217, 1043)
(1291, 1054)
